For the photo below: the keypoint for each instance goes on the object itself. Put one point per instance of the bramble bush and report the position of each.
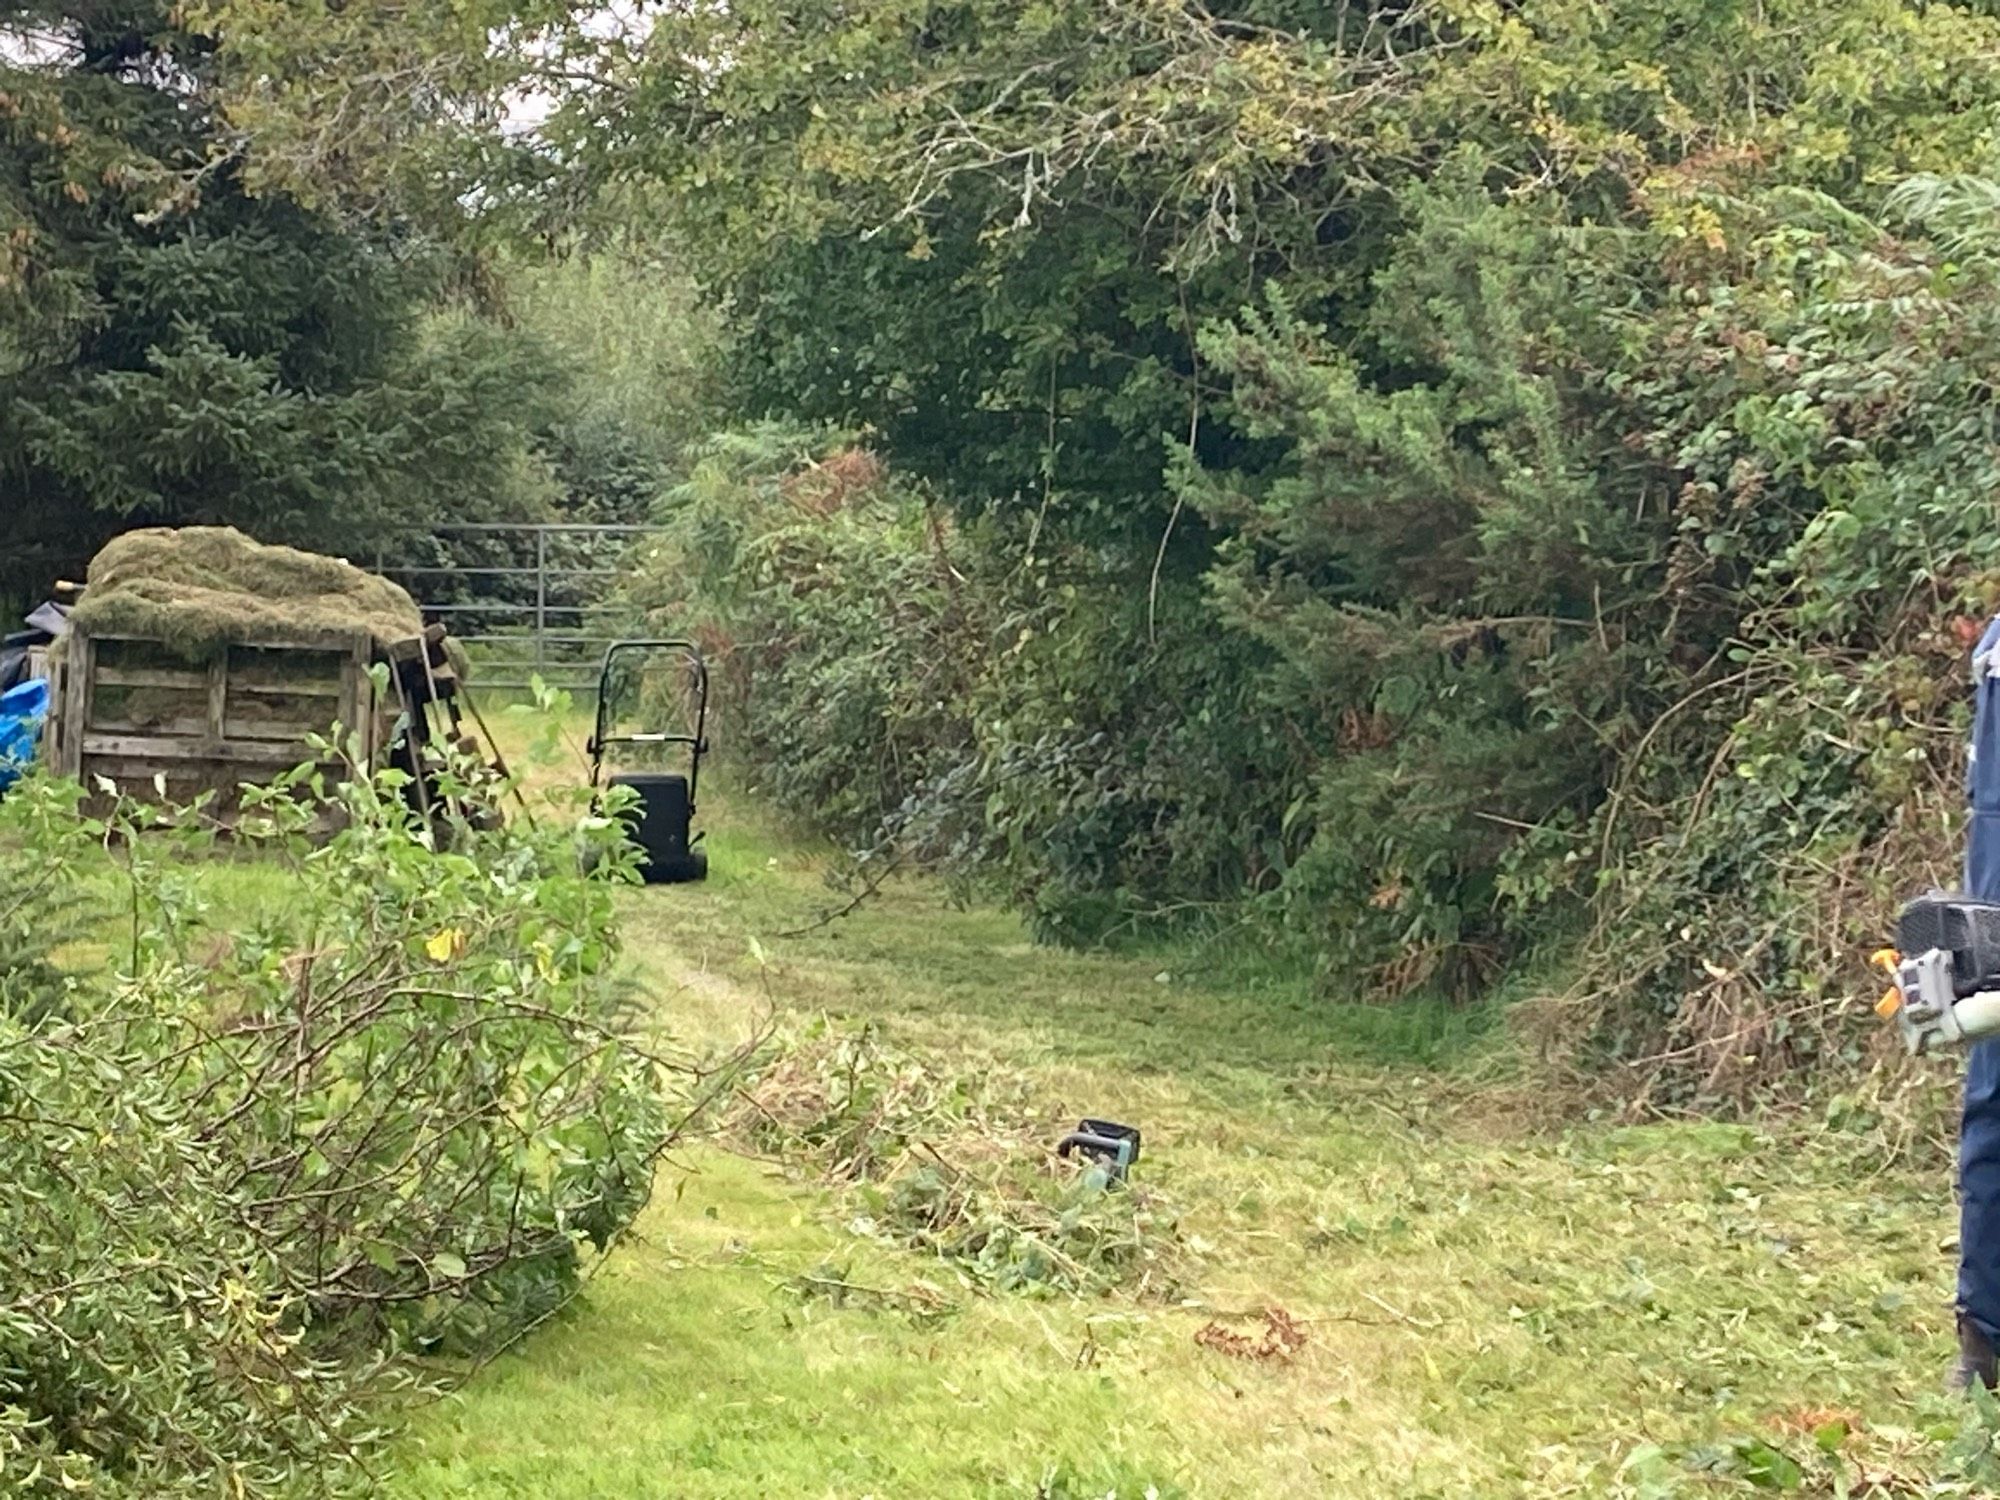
(844, 639)
(263, 1156)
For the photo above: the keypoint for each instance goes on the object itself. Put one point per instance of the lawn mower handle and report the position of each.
(697, 742)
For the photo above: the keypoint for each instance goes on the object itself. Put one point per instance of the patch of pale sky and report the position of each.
(36, 46)
(622, 22)
(570, 57)
(526, 110)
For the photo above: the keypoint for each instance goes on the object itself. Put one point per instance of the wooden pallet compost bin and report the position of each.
(200, 659)
(139, 714)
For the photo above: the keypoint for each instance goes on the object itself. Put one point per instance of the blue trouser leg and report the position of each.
(1979, 1191)
(1979, 1132)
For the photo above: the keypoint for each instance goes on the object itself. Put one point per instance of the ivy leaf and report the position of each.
(1767, 1467)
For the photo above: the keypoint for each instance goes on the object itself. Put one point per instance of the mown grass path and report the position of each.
(1494, 1305)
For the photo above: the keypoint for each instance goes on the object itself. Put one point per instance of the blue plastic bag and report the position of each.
(22, 712)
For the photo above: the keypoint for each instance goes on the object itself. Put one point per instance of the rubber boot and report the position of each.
(1977, 1359)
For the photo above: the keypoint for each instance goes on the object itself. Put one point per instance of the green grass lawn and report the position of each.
(1494, 1302)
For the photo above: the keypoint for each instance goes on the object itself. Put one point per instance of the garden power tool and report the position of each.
(1944, 971)
(1113, 1146)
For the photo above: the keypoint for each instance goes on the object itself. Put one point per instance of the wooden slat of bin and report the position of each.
(218, 694)
(329, 689)
(337, 642)
(110, 674)
(181, 725)
(289, 731)
(185, 780)
(280, 672)
(192, 748)
(75, 701)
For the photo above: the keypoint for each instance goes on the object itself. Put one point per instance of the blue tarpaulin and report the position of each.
(22, 710)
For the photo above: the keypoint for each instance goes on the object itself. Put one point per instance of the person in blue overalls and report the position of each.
(1979, 1132)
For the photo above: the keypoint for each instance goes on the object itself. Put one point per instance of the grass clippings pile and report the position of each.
(197, 589)
(959, 1166)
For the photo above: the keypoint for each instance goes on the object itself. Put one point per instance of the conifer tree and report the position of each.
(176, 350)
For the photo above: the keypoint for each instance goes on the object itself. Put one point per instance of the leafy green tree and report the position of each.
(636, 347)
(174, 350)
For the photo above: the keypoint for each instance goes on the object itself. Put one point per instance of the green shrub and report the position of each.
(43, 900)
(902, 680)
(151, 1342)
(1810, 777)
(384, 1100)
(842, 635)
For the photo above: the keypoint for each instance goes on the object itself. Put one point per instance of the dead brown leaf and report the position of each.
(1283, 1337)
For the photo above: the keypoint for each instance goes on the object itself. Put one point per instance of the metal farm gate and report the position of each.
(526, 601)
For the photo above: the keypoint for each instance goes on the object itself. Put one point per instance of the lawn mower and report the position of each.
(663, 816)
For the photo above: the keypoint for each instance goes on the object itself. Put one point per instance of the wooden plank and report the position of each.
(53, 739)
(184, 784)
(374, 722)
(77, 662)
(109, 674)
(193, 748)
(359, 709)
(333, 690)
(179, 726)
(144, 705)
(338, 641)
(185, 779)
(271, 670)
(52, 727)
(218, 694)
(348, 710)
(137, 771)
(265, 702)
(288, 731)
